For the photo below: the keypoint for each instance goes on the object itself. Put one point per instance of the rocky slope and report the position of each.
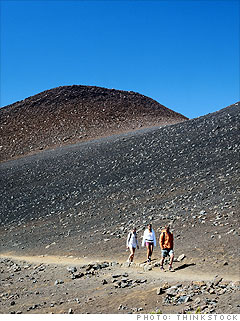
(70, 114)
(81, 199)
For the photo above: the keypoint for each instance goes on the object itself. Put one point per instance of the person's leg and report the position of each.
(162, 259)
(132, 254)
(151, 251)
(171, 258)
(148, 251)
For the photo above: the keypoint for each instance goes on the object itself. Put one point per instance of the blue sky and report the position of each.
(184, 54)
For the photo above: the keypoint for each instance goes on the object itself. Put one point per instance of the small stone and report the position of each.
(104, 282)
(222, 291)
(70, 311)
(181, 257)
(183, 299)
(58, 282)
(160, 291)
(72, 269)
(78, 275)
(211, 291)
(197, 301)
(217, 280)
(172, 291)
(231, 231)
(165, 286)
(116, 276)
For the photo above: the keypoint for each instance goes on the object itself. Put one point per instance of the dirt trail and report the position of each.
(178, 275)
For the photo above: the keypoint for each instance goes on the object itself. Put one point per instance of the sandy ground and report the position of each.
(32, 287)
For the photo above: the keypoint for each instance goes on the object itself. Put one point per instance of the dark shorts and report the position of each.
(167, 252)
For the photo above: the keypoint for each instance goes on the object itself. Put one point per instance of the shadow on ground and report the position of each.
(184, 266)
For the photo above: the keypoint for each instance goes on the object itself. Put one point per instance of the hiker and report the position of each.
(149, 240)
(166, 244)
(132, 244)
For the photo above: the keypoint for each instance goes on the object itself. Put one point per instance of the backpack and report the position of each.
(130, 235)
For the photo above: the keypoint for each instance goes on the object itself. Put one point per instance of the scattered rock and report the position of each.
(78, 275)
(58, 282)
(181, 257)
(217, 280)
(160, 291)
(115, 276)
(183, 299)
(172, 291)
(72, 269)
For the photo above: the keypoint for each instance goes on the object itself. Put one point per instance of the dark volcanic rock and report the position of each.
(69, 114)
(172, 173)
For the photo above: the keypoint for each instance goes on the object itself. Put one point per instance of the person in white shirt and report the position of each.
(149, 239)
(132, 244)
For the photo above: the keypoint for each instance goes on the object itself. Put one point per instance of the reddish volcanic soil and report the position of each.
(71, 114)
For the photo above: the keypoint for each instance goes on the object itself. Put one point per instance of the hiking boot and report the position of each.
(170, 268)
(161, 268)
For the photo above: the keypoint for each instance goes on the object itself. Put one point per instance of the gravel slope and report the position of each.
(81, 199)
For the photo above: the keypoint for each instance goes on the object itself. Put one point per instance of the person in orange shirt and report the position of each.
(166, 244)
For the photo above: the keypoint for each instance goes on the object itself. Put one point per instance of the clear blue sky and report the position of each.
(184, 54)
